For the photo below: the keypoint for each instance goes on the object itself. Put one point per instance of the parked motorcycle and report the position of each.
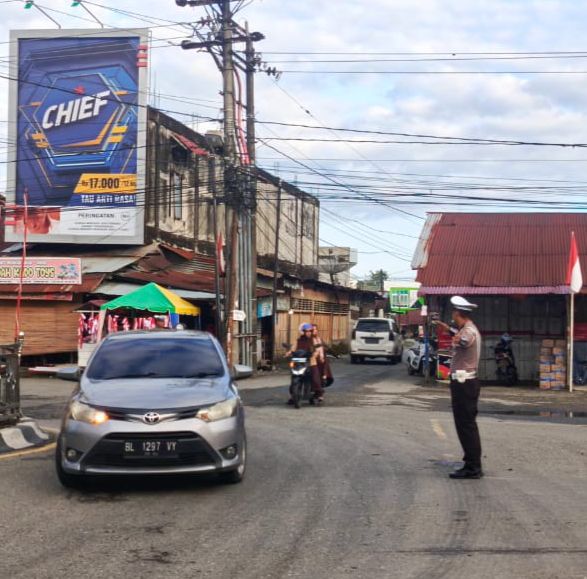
(416, 356)
(506, 370)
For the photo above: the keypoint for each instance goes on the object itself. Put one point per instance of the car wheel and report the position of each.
(69, 481)
(361, 359)
(392, 360)
(353, 359)
(236, 475)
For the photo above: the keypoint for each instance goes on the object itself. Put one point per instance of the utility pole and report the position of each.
(231, 161)
(239, 184)
(275, 268)
(249, 262)
(218, 318)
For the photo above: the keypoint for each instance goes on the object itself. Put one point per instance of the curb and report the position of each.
(26, 434)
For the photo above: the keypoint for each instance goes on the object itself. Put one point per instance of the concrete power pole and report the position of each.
(239, 182)
(231, 162)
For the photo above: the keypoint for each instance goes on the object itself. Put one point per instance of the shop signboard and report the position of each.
(264, 307)
(78, 121)
(41, 270)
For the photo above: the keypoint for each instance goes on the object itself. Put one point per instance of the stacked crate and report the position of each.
(553, 364)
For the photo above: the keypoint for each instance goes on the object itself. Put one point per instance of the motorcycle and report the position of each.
(506, 370)
(417, 355)
(300, 388)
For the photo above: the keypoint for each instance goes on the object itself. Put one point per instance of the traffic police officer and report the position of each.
(464, 386)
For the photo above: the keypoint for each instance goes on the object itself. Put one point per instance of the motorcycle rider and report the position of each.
(309, 343)
(326, 376)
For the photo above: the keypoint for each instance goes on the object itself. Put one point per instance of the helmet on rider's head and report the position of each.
(305, 328)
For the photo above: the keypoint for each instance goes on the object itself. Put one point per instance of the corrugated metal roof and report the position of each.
(106, 264)
(122, 289)
(501, 252)
(493, 290)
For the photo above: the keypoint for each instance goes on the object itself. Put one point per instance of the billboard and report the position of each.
(41, 270)
(78, 112)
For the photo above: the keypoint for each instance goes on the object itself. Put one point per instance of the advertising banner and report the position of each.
(79, 124)
(41, 270)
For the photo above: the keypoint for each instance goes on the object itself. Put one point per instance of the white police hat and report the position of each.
(459, 303)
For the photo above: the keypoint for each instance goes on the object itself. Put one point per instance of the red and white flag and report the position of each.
(574, 275)
(220, 255)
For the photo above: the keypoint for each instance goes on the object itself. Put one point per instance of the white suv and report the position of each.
(376, 338)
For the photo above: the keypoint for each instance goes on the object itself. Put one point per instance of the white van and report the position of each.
(376, 338)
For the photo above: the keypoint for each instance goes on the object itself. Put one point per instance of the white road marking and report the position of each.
(437, 429)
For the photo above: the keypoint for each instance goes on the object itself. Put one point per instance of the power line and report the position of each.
(467, 140)
(434, 72)
(445, 142)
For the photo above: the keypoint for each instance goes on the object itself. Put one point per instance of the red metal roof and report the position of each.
(196, 274)
(498, 252)
(190, 145)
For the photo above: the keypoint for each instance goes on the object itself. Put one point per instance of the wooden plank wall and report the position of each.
(49, 327)
(332, 327)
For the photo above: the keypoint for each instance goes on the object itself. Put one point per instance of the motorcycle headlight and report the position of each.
(220, 411)
(85, 413)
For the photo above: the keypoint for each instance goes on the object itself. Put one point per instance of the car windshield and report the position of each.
(373, 326)
(142, 357)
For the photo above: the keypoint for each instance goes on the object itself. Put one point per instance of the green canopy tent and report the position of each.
(151, 298)
(155, 299)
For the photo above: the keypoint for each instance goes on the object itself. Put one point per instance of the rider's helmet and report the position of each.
(305, 328)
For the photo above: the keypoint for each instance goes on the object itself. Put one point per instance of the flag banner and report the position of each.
(574, 275)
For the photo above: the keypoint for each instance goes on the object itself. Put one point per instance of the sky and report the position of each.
(447, 68)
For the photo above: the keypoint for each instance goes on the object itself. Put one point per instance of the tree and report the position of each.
(379, 278)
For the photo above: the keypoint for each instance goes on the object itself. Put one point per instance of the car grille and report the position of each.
(192, 451)
(137, 415)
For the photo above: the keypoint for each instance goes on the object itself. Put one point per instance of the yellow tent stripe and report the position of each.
(181, 306)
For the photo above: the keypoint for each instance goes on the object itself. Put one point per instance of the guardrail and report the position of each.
(10, 411)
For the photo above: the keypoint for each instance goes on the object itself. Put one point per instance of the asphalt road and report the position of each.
(357, 488)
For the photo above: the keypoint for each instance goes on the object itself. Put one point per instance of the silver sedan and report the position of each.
(161, 402)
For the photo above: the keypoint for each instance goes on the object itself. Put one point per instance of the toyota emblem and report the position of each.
(151, 417)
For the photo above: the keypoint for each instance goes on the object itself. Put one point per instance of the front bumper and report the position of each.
(199, 446)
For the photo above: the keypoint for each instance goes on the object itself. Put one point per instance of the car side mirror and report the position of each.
(240, 372)
(71, 374)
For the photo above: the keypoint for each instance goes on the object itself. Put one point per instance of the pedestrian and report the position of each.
(160, 322)
(464, 386)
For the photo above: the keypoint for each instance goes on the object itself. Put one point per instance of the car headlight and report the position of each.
(85, 413)
(219, 411)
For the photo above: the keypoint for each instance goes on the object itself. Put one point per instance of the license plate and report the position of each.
(150, 448)
(371, 340)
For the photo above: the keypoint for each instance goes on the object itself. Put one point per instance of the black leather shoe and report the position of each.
(464, 473)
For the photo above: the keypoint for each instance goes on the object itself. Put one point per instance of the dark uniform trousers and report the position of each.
(465, 398)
